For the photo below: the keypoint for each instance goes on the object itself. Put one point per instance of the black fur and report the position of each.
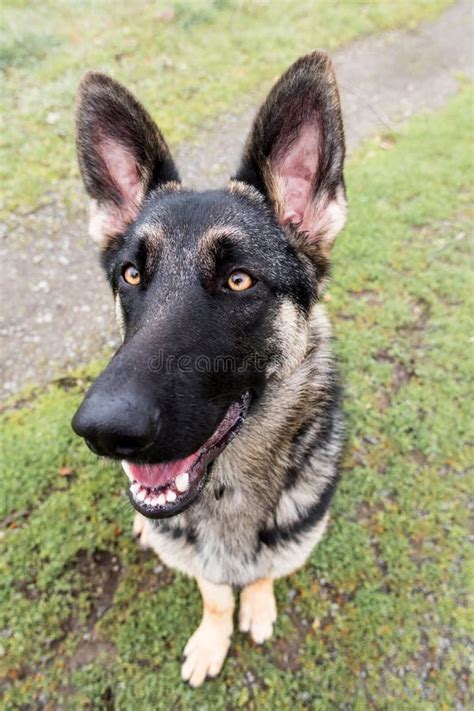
(278, 535)
(315, 435)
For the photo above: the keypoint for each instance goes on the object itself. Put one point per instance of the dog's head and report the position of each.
(213, 289)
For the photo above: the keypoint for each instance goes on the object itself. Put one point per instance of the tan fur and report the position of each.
(151, 232)
(210, 239)
(237, 187)
(97, 222)
(172, 186)
(274, 191)
(215, 233)
(154, 237)
(258, 610)
(292, 336)
(330, 217)
(207, 649)
(101, 226)
(108, 221)
(119, 316)
(138, 525)
(325, 218)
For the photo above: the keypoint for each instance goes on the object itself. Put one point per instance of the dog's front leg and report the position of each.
(141, 531)
(258, 610)
(207, 649)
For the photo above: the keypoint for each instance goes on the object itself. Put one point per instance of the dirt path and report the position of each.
(58, 312)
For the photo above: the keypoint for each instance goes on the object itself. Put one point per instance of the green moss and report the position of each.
(188, 61)
(378, 617)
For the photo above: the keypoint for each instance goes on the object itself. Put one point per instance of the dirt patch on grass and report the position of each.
(15, 519)
(403, 372)
(369, 296)
(99, 576)
(88, 651)
(401, 376)
(286, 652)
(420, 310)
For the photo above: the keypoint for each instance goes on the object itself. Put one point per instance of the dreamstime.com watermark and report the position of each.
(168, 364)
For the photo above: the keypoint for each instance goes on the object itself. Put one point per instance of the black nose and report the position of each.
(117, 426)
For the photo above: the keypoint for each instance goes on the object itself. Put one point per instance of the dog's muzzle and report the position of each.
(117, 426)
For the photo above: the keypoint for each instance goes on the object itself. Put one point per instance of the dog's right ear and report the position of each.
(122, 154)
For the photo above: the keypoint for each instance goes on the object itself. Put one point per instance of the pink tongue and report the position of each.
(153, 475)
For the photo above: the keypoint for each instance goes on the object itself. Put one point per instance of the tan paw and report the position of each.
(139, 530)
(258, 611)
(205, 652)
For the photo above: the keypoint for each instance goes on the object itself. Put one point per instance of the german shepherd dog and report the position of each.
(223, 401)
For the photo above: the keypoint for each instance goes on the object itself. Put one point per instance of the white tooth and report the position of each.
(135, 488)
(170, 496)
(161, 500)
(182, 481)
(127, 470)
(141, 495)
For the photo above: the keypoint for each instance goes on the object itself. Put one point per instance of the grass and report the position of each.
(378, 617)
(188, 61)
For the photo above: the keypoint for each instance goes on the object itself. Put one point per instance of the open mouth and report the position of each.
(165, 489)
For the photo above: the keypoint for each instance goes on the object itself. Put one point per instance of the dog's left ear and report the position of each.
(294, 154)
(122, 154)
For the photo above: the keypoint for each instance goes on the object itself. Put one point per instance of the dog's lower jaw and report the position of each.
(166, 489)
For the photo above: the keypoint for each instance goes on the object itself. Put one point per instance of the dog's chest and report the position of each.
(217, 539)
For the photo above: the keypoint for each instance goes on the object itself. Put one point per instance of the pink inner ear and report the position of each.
(122, 169)
(296, 171)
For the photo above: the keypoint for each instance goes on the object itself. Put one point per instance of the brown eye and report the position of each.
(131, 275)
(240, 281)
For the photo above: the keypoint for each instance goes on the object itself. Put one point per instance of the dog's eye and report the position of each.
(240, 281)
(131, 275)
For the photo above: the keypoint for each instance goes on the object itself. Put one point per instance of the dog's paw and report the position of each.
(258, 611)
(205, 652)
(139, 530)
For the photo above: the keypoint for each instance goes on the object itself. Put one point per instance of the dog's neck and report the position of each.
(291, 397)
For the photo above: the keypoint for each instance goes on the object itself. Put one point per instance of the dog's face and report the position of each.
(213, 288)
